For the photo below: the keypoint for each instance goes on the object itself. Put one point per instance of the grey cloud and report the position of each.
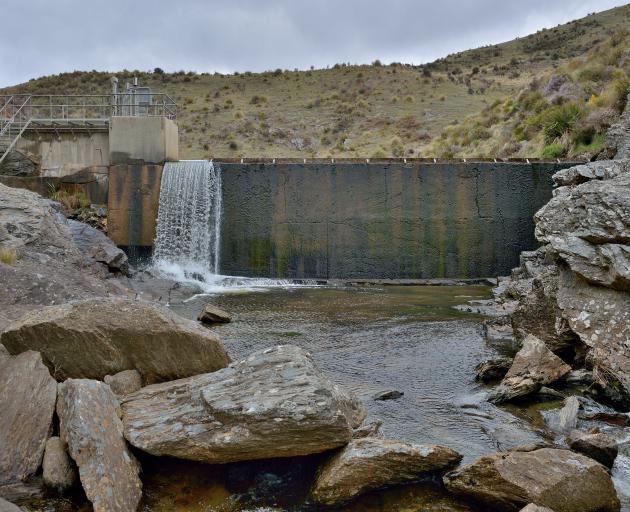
(46, 36)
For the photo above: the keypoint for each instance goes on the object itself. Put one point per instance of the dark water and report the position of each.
(368, 340)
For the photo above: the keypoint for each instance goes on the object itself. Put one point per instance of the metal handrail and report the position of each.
(65, 106)
(34, 111)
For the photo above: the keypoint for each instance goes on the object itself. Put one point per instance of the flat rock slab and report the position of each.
(212, 315)
(372, 463)
(90, 425)
(97, 337)
(559, 479)
(534, 366)
(275, 403)
(27, 404)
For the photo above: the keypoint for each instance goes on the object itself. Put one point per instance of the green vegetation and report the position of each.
(71, 200)
(562, 113)
(489, 101)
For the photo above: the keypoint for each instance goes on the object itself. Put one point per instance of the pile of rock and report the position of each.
(568, 308)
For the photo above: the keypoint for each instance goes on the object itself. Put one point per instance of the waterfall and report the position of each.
(188, 227)
(188, 230)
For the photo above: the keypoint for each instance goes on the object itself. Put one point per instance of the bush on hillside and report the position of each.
(554, 151)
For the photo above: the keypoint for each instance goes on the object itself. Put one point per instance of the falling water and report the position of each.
(189, 219)
(188, 230)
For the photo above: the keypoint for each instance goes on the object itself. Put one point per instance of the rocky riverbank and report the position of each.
(96, 379)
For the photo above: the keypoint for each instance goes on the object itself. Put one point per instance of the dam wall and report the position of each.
(390, 220)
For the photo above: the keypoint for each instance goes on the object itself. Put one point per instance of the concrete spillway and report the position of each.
(188, 230)
(326, 220)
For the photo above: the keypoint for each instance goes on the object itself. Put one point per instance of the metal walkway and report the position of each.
(20, 113)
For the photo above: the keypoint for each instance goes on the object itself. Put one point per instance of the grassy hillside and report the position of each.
(483, 102)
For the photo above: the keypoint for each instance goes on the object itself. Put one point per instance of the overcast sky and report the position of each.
(43, 37)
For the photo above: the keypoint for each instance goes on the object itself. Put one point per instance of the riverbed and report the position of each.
(369, 340)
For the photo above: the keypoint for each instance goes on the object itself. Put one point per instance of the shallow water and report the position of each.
(368, 340)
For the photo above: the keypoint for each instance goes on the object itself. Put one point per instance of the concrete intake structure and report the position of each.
(363, 220)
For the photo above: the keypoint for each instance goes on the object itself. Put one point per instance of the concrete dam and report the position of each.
(321, 219)
(351, 219)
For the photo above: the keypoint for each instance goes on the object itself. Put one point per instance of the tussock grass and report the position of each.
(8, 255)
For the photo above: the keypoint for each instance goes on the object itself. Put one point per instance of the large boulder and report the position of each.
(96, 245)
(97, 337)
(534, 366)
(599, 446)
(27, 404)
(7, 506)
(275, 403)
(558, 479)
(372, 463)
(90, 425)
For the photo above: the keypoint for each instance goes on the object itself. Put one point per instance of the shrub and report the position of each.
(557, 120)
(554, 151)
(233, 145)
(8, 256)
(257, 100)
(70, 200)
(397, 147)
(595, 146)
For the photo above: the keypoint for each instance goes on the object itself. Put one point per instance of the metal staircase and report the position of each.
(14, 121)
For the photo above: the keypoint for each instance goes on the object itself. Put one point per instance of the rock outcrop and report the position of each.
(534, 366)
(588, 227)
(618, 136)
(93, 338)
(558, 479)
(96, 245)
(48, 267)
(275, 403)
(574, 292)
(90, 425)
(58, 470)
(535, 284)
(372, 463)
(27, 403)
